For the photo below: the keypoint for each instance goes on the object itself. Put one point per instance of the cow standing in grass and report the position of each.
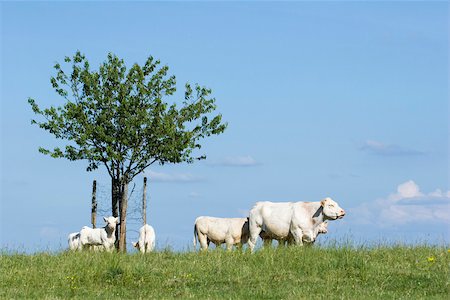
(146, 241)
(296, 219)
(104, 237)
(231, 231)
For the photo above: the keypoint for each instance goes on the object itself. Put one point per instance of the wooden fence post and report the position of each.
(94, 204)
(144, 202)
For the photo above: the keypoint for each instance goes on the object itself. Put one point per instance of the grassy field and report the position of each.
(288, 273)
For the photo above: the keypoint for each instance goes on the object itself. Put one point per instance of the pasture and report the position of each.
(340, 272)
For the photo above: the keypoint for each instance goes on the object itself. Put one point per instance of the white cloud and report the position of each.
(407, 189)
(379, 148)
(238, 161)
(407, 206)
(165, 177)
(438, 193)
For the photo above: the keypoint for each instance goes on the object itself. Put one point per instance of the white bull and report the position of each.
(231, 231)
(146, 241)
(104, 237)
(296, 220)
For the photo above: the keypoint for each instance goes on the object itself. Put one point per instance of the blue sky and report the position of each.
(341, 99)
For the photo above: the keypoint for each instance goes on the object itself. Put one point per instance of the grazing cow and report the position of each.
(231, 231)
(104, 237)
(296, 219)
(146, 241)
(267, 238)
(74, 241)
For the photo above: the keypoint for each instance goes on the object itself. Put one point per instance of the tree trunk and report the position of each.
(123, 217)
(115, 200)
(144, 202)
(94, 204)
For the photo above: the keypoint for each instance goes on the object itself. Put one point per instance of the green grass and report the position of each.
(288, 273)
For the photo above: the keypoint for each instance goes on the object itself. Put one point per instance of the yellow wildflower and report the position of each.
(431, 259)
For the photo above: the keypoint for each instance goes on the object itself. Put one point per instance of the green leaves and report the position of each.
(118, 118)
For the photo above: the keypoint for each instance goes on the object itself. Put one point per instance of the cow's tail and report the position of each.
(195, 235)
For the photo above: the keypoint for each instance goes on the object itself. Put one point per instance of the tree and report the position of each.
(118, 119)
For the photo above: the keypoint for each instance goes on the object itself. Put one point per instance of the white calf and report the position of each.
(74, 241)
(100, 236)
(232, 231)
(146, 241)
(267, 238)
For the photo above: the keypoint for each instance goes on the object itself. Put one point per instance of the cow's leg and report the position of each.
(255, 227)
(203, 239)
(145, 247)
(267, 242)
(253, 237)
(297, 235)
(280, 242)
(229, 247)
(229, 244)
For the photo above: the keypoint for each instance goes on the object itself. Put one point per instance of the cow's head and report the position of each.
(111, 222)
(331, 209)
(135, 245)
(323, 227)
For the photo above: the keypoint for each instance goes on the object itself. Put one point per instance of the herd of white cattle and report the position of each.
(287, 222)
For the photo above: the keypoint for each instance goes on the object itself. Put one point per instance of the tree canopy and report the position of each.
(119, 118)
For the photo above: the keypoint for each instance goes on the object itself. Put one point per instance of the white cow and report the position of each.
(146, 241)
(105, 236)
(231, 231)
(267, 238)
(74, 241)
(297, 219)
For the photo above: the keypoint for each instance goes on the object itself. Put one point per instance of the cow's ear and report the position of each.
(134, 244)
(323, 202)
(105, 219)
